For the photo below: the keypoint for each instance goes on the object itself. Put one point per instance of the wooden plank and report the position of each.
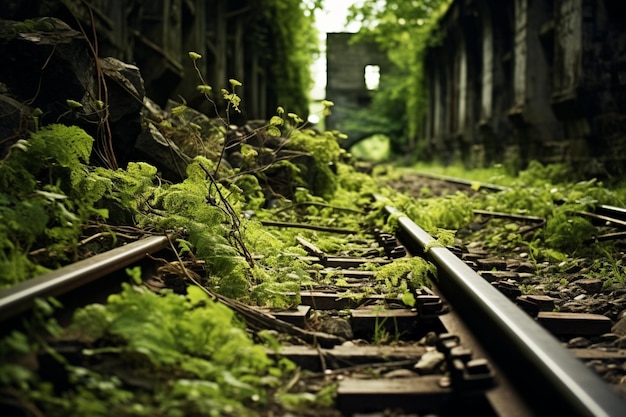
(543, 302)
(419, 394)
(345, 261)
(297, 317)
(322, 300)
(579, 324)
(597, 353)
(344, 356)
(346, 273)
(366, 323)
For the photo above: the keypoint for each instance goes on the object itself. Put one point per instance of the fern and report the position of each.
(56, 196)
(194, 353)
(566, 231)
(406, 273)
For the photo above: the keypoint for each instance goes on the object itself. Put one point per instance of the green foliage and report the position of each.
(47, 195)
(186, 356)
(250, 190)
(434, 214)
(325, 151)
(283, 31)
(406, 274)
(128, 191)
(607, 267)
(404, 30)
(375, 148)
(567, 231)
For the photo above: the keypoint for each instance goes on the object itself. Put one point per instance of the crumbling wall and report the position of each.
(345, 81)
(520, 80)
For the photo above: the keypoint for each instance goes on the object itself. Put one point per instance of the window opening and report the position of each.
(372, 77)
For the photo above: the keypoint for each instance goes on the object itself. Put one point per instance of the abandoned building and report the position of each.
(518, 80)
(510, 81)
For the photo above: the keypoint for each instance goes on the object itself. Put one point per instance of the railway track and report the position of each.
(463, 347)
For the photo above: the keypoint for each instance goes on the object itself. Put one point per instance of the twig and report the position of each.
(312, 249)
(606, 219)
(315, 203)
(512, 216)
(608, 236)
(310, 227)
(259, 320)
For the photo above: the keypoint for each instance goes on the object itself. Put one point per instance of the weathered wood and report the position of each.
(327, 300)
(409, 394)
(619, 354)
(346, 357)
(346, 273)
(309, 227)
(511, 216)
(581, 324)
(345, 262)
(544, 302)
(297, 316)
(257, 319)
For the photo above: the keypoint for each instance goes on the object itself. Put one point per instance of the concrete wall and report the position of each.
(517, 80)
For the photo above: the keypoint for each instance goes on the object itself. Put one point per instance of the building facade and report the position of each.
(520, 80)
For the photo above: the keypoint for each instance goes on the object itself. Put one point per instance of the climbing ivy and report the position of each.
(285, 33)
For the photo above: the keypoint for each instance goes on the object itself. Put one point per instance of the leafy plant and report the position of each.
(187, 355)
(404, 30)
(405, 274)
(48, 194)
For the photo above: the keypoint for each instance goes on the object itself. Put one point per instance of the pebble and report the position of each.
(578, 342)
(338, 327)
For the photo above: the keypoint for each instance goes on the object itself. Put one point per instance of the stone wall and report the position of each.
(157, 35)
(517, 80)
(345, 81)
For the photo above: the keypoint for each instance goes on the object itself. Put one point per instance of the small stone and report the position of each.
(338, 327)
(619, 328)
(590, 286)
(620, 343)
(492, 263)
(525, 267)
(429, 362)
(430, 339)
(578, 342)
(400, 373)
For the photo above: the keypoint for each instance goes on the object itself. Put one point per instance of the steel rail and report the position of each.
(556, 382)
(21, 297)
(611, 211)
